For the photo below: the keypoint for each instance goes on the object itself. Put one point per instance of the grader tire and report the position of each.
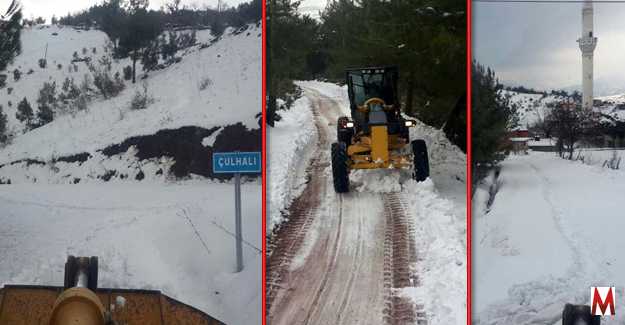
(421, 163)
(340, 170)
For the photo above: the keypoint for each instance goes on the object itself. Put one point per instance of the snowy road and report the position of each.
(350, 258)
(175, 238)
(561, 217)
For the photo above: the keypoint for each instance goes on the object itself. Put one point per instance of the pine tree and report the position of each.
(141, 29)
(25, 113)
(4, 125)
(46, 103)
(492, 116)
(10, 31)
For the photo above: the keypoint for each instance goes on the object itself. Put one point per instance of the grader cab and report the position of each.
(377, 134)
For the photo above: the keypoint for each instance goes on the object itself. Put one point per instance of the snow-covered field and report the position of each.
(553, 230)
(178, 239)
(155, 231)
(436, 209)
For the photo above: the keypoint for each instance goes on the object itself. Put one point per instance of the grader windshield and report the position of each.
(367, 83)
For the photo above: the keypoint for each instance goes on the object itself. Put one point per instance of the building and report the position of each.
(587, 44)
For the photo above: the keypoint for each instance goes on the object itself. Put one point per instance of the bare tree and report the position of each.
(173, 6)
(571, 124)
(541, 124)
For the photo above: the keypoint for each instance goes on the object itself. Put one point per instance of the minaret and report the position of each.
(587, 44)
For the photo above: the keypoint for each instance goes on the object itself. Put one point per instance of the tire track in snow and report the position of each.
(332, 262)
(399, 254)
(357, 267)
(558, 289)
(289, 238)
(556, 215)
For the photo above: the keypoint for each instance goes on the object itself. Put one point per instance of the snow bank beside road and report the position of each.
(291, 143)
(440, 236)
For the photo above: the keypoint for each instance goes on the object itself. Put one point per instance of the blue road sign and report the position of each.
(236, 162)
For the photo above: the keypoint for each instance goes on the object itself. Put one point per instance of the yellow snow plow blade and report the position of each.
(33, 305)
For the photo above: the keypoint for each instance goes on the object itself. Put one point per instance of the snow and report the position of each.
(440, 235)
(291, 144)
(532, 108)
(552, 231)
(210, 140)
(145, 238)
(330, 90)
(162, 233)
(232, 64)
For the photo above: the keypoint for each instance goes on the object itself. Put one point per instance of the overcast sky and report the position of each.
(312, 7)
(47, 8)
(535, 44)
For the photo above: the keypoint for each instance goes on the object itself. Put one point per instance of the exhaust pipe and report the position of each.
(78, 304)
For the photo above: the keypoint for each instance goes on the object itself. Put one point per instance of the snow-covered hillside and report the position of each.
(532, 108)
(214, 86)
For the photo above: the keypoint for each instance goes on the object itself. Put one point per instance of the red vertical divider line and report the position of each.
(264, 156)
(469, 181)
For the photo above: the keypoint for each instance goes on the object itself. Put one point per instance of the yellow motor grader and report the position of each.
(81, 302)
(377, 135)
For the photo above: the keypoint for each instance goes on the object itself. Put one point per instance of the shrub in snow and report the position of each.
(168, 45)
(47, 103)
(66, 83)
(3, 127)
(149, 57)
(127, 72)
(10, 103)
(70, 90)
(45, 115)
(205, 83)
(3, 80)
(25, 113)
(108, 85)
(187, 40)
(43, 63)
(141, 99)
(79, 104)
(30, 71)
(17, 74)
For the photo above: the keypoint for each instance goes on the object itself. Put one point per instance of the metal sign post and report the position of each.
(237, 220)
(237, 163)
